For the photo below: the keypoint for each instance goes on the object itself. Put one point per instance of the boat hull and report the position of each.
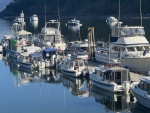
(100, 84)
(72, 73)
(137, 64)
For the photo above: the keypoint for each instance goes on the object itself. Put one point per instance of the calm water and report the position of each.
(22, 91)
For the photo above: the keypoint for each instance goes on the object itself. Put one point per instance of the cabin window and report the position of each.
(81, 63)
(148, 89)
(139, 48)
(130, 49)
(123, 49)
(115, 48)
(146, 47)
(140, 85)
(71, 64)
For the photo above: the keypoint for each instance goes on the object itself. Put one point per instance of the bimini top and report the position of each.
(146, 79)
(47, 50)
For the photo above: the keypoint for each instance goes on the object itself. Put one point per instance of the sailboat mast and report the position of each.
(45, 13)
(141, 12)
(119, 11)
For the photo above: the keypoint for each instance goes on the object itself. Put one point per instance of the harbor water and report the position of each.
(48, 91)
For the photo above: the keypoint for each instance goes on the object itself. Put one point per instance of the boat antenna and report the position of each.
(58, 14)
(141, 12)
(119, 11)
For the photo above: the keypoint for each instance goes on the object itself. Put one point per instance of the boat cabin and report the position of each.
(113, 74)
(145, 84)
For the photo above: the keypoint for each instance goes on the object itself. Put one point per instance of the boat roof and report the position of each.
(7, 36)
(103, 68)
(23, 32)
(146, 79)
(50, 50)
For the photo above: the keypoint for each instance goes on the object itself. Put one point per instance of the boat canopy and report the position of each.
(47, 50)
(23, 32)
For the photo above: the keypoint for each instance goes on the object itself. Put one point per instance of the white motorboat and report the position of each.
(141, 91)
(112, 21)
(72, 67)
(128, 45)
(20, 19)
(34, 18)
(51, 36)
(78, 49)
(73, 22)
(111, 78)
(31, 58)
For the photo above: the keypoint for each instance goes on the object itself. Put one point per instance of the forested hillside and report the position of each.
(76, 7)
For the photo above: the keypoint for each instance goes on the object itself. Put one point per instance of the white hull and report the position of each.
(137, 64)
(72, 73)
(101, 84)
(105, 58)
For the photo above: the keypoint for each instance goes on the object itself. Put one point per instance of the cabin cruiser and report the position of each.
(129, 46)
(34, 18)
(72, 67)
(111, 78)
(78, 49)
(51, 36)
(141, 91)
(20, 19)
(31, 59)
(73, 22)
(112, 21)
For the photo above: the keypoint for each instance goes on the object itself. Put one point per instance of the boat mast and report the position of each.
(45, 13)
(119, 12)
(141, 12)
(58, 15)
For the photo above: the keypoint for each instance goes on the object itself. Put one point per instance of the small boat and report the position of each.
(73, 22)
(34, 18)
(141, 91)
(78, 49)
(51, 36)
(31, 58)
(112, 21)
(73, 67)
(111, 78)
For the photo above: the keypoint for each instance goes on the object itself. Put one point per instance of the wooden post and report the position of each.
(91, 43)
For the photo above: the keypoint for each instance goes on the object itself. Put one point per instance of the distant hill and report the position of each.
(3, 4)
(76, 7)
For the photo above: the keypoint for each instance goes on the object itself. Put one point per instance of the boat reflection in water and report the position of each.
(74, 29)
(77, 86)
(138, 108)
(111, 101)
(51, 76)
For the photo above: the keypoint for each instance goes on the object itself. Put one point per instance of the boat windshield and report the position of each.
(144, 86)
(83, 48)
(52, 25)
